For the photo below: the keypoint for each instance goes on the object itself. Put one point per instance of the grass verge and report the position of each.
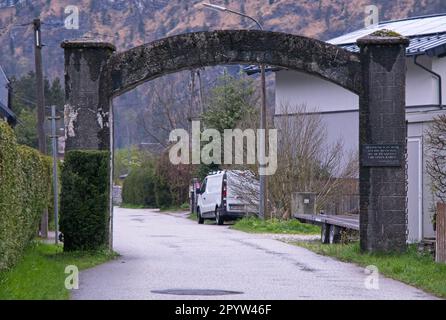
(256, 225)
(174, 209)
(192, 216)
(413, 268)
(183, 207)
(40, 275)
(132, 206)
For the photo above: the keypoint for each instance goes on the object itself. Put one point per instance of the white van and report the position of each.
(227, 195)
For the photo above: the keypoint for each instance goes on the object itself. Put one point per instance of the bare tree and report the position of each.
(307, 162)
(436, 159)
(170, 107)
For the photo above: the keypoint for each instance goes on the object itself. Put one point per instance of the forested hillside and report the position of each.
(128, 23)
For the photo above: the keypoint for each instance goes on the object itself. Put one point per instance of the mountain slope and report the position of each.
(128, 23)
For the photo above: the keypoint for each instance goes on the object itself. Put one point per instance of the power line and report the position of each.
(23, 99)
(11, 27)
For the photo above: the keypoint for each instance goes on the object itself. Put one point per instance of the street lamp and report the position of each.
(224, 9)
(263, 180)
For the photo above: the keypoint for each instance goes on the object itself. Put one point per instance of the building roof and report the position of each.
(7, 113)
(427, 34)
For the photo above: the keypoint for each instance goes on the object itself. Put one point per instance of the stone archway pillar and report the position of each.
(382, 143)
(87, 108)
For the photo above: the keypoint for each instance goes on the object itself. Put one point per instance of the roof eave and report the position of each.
(8, 114)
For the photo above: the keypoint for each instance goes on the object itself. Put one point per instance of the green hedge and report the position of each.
(139, 187)
(25, 180)
(84, 203)
(162, 192)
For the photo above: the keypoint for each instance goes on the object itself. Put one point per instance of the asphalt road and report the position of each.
(162, 252)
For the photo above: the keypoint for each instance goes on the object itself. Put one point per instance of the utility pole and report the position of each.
(263, 203)
(200, 87)
(40, 109)
(54, 137)
(263, 210)
(192, 92)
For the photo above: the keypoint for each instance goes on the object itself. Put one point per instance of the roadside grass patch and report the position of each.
(40, 275)
(162, 209)
(412, 267)
(192, 216)
(133, 206)
(183, 207)
(292, 226)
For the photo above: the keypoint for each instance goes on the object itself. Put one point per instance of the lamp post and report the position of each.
(262, 149)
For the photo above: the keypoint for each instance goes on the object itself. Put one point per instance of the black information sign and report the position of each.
(382, 155)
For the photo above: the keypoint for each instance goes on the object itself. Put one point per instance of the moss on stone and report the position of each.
(386, 33)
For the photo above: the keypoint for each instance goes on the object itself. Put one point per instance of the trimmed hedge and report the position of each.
(25, 186)
(84, 202)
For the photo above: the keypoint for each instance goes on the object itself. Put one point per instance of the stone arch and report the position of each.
(128, 69)
(94, 74)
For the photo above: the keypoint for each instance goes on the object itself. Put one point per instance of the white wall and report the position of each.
(421, 86)
(3, 91)
(296, 88)
(419, 122)
(439, 66)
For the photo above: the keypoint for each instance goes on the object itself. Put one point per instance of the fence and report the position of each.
(343, 204)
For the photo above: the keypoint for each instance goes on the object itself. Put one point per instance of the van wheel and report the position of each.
(218, 218)
(199, 217)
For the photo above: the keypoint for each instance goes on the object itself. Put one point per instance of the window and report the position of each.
(203, 186)
(213, 185)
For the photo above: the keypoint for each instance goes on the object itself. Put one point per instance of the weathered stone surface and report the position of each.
(382, 122)
(86, 112)
(192, 50)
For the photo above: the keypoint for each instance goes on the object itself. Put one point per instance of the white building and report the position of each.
(426, 68)
(5, 103)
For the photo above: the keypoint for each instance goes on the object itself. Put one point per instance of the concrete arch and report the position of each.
(128, 69)
(94, 74)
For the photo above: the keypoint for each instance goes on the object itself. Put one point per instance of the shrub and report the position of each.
(162, 192)
(25, 177)
(157, 183)
(172, 182)
(84, 203)
(436, 157)
(139, 187)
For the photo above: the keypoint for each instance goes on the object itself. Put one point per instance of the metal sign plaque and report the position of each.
(382, 155)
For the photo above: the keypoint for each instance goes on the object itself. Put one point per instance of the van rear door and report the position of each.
(243, 189)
